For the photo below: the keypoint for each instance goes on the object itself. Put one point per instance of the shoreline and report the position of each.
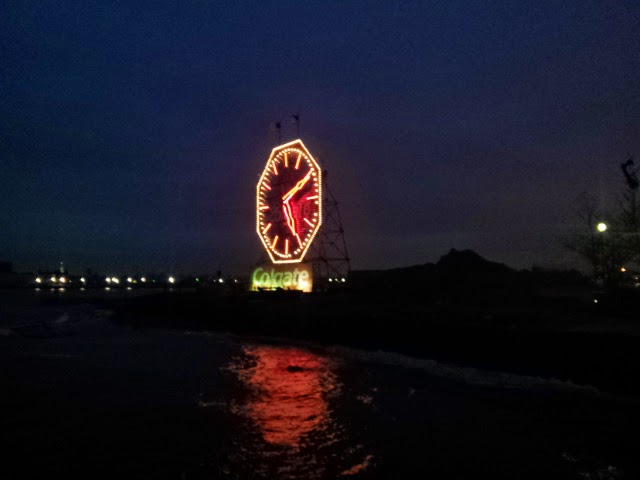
(573, 345)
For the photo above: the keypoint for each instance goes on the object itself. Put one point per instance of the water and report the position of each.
(287, 401)
(84, 398)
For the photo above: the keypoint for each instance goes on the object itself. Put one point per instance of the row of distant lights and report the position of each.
(116, 280)
(61, 280)
(338, 280)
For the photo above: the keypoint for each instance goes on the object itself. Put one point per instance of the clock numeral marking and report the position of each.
(286, 246)
(266, 185)
(275, 241)
(264, 207)
(286, 160)
(266, 229)
(298, 160)
(312, 197)
(275, 168)
(306, 220)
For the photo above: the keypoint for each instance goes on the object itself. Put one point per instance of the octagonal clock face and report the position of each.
(289, 202)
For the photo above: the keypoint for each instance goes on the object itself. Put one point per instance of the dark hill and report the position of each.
(464, 278)
(468, 261)
(456, 272)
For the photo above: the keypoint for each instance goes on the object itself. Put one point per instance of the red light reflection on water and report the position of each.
(290, 388)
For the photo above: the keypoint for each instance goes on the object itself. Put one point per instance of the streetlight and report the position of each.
(602, 227)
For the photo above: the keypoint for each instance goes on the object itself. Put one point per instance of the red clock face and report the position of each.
(289, 202)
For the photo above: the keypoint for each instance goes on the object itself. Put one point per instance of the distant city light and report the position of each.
(83, 280)
(197, 279)
(115, 279)
(108, 280)
(38, 280)
(143, 279)
(601, 227)
(53, 279)
(622, 269)
(172, 280)
(344, 279)
(63, 280)
(129, 279)
(220, 280)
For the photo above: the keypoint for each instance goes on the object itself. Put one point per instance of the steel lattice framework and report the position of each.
(329, 253)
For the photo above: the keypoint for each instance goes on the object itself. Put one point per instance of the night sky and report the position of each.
(133, 133)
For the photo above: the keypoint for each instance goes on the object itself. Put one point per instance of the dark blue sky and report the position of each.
(133, 133)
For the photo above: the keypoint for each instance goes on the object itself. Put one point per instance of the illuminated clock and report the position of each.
(289, 202)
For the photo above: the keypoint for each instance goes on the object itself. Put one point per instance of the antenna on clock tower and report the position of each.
(278, 126)
(296, 119)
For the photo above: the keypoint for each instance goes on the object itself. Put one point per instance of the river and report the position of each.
(85, 398)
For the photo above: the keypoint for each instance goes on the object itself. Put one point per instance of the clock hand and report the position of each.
(298, 186)
(291, 222)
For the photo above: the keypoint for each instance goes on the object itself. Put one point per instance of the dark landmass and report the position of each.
(463, 310)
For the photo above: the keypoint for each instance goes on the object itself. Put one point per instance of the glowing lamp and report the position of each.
(602, 227)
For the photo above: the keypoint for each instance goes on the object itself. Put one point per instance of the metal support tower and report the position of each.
(329, 254)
